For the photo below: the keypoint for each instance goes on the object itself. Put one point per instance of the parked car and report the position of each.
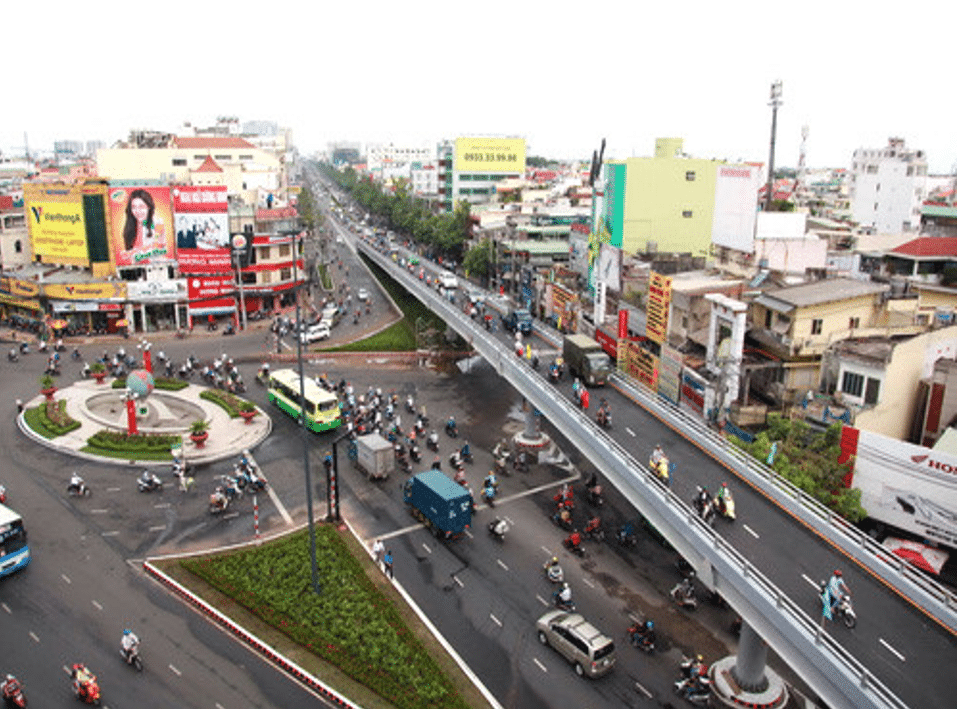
(590, 651)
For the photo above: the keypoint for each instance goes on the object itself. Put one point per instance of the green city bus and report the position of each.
(322, 410)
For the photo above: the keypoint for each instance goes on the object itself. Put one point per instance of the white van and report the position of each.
(448, 281)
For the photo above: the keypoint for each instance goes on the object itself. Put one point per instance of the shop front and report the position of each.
(20, 303)
(88, 317)
(210, 297)
(156, 305)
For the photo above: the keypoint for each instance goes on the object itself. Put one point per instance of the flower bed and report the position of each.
(351, 624)
(116, 444)
(230, 403)
(50, 419)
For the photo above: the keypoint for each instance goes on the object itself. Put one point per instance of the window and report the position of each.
(910, 171)
(223, 157)
(199, 157)
(768, 314)
(245, 157)
(871, 169)
(249, 279)
(854, 323)
(852, 383)
(878, 187)
(689, 176)
(687, 214)
(817, 325)
(264, 253)
(285, 274)
(179, 162)
(18, 246)
(872, 392)
(284, 250)
(265, 277)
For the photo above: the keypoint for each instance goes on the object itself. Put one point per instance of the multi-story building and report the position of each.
(667, 202)
(471, 168)
(888, 186)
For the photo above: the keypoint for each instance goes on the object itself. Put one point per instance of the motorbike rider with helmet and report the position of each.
(76, 483)
(836, 589)
(129, 644)
(573, 541)
(563, 598)
(10, 688)
(643, 634)
(82, 679)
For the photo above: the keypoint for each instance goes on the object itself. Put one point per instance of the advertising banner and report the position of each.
(15, 286)
(209, 287)
(206, 199)
(141, 219)
(659, 300)
(157, 290)
(490, 155)
(86, 291)
(609, 267)
(56, 222)
(202, 229)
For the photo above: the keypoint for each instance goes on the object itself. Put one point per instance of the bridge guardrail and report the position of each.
(830, 669)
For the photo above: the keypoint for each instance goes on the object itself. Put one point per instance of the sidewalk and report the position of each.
(227, 436)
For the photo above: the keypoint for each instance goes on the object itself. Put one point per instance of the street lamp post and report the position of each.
(774, 104)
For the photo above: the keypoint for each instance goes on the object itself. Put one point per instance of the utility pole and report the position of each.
(242, 295)
(774, 104)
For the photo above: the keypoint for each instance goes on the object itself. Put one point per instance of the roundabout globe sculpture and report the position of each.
(139, 385)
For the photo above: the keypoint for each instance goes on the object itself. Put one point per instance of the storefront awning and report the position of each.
(19, 302)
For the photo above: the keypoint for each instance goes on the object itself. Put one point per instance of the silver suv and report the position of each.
(587, 648)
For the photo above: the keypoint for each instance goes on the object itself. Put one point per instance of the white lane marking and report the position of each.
(98, 512)
(456, 579)
(158, 528)
(541, 600)
(545, 549)
(426, 547)
(287, 518)
(891, 649)
(540, 665)
(6, 608)
(109, 534)
(176, 671)
(495, 620)
(750, 531)
(810, 581)
(231, 515)
(469, 534)
(97, 605)
(501, 563)
(161, 506)
(642, 690)
(510, 522)
(65, 578)
(112, 489)
(219, 706)
(588, 583)
(35, 638)
(630, 432)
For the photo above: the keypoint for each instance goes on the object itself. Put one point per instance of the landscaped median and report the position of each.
(165, 383)
(50, 419)
(357, 635)
(231, 404)
(139, 446)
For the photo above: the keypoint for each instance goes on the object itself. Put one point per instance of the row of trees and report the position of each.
(399, 210)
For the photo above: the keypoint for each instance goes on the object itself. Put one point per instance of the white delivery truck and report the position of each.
(905, 487)
(374, 456)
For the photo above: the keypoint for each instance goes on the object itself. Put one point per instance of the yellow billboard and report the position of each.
(86, 291)
(490, 155)
(56, 223)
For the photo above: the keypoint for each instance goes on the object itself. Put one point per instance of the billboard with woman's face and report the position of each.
(142, 222)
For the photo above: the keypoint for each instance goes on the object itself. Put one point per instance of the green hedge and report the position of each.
(39, 419)
(167, 383)
(120, 442)
(230, 403)
(350, 624)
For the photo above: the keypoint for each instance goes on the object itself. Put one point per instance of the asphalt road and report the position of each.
(897, 642)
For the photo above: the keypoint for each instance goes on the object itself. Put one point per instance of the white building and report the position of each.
(386, 156)
(887, 187)
(425, 180)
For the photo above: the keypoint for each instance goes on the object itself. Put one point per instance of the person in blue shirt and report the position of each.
(387, 561)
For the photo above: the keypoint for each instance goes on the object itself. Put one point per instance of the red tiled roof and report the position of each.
(209, 165)
(6, 201)
(928, 246)
(211, 142)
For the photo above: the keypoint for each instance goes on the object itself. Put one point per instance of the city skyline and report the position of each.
(561, 80)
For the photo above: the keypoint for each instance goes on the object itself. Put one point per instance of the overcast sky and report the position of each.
(563, 75)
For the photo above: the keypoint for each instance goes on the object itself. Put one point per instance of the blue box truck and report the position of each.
(442, 505)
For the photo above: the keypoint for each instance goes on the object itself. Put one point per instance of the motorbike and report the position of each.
(568, 606)
(497, 528)
(132, 657)
(452, 429)
(604, 418)
(705, 506)
(574, 548)
(12, 356)
(465, 455)
(85, 687)
(593, 530)
(218, 501)
(843, 612)
(149, 482)
(79, 489)
(553, 571)
(488, 494)
(684, 594)
(724, 504)
(696, 691)
(642, 637)
(415, 454)
(3, 495)
(230, 329)
(593, 495)
(13, 694)
(76, 354)
(410, 405)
